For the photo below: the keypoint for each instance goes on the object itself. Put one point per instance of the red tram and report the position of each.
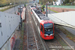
(44, 26)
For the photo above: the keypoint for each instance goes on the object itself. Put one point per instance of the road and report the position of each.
(67, 28)
(12, 10)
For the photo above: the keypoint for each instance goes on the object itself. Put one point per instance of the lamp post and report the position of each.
(46, 11)
(47, 8)
(14, 5)
(20, 15)
(20, 11)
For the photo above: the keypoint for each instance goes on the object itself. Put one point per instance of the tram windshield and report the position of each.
(48, 28)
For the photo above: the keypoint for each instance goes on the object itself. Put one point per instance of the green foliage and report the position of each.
(43, 2)
(7, 2)
(68, 2)
(8, 8)
(43, 6)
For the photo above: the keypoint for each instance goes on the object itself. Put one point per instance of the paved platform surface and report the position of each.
(64, 37)
(71, 30)
(67, 40)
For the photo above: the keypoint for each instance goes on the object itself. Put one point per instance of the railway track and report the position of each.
(47, 44)
(34, 41)
(40, 43)
(31, 38)
(54, 44)
(43, 45)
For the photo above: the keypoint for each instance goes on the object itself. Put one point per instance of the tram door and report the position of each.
(41, 30)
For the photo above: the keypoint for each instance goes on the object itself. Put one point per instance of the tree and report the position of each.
(7, 2)
(45, 1)
(68, 2)
(71, 1)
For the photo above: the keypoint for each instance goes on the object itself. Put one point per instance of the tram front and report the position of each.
(48, 31)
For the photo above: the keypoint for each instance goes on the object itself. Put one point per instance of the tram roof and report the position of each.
(40, 15)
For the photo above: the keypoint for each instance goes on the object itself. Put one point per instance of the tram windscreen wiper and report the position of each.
(48, 29)
(48, 25)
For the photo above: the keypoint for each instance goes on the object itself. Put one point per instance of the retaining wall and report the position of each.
(61, 9)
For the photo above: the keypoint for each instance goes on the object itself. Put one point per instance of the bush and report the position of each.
(67, 4)
(43, 6)
(2, 5)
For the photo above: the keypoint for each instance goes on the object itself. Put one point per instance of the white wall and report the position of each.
(9, 22)
(7, 46)
(59, 2)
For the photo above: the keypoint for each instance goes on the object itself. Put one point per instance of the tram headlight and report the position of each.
(45, 35)
(52, 34)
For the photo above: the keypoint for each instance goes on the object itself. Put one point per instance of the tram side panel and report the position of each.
(39, 26)
(36, 22)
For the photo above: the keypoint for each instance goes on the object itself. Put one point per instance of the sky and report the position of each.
(37, 0)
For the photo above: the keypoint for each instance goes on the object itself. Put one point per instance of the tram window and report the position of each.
(41, 28)
(0, 24)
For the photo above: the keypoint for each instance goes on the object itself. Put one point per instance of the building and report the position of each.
(58, 2)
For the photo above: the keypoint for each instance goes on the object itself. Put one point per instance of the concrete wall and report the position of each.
(9, 45)
(9, 22)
